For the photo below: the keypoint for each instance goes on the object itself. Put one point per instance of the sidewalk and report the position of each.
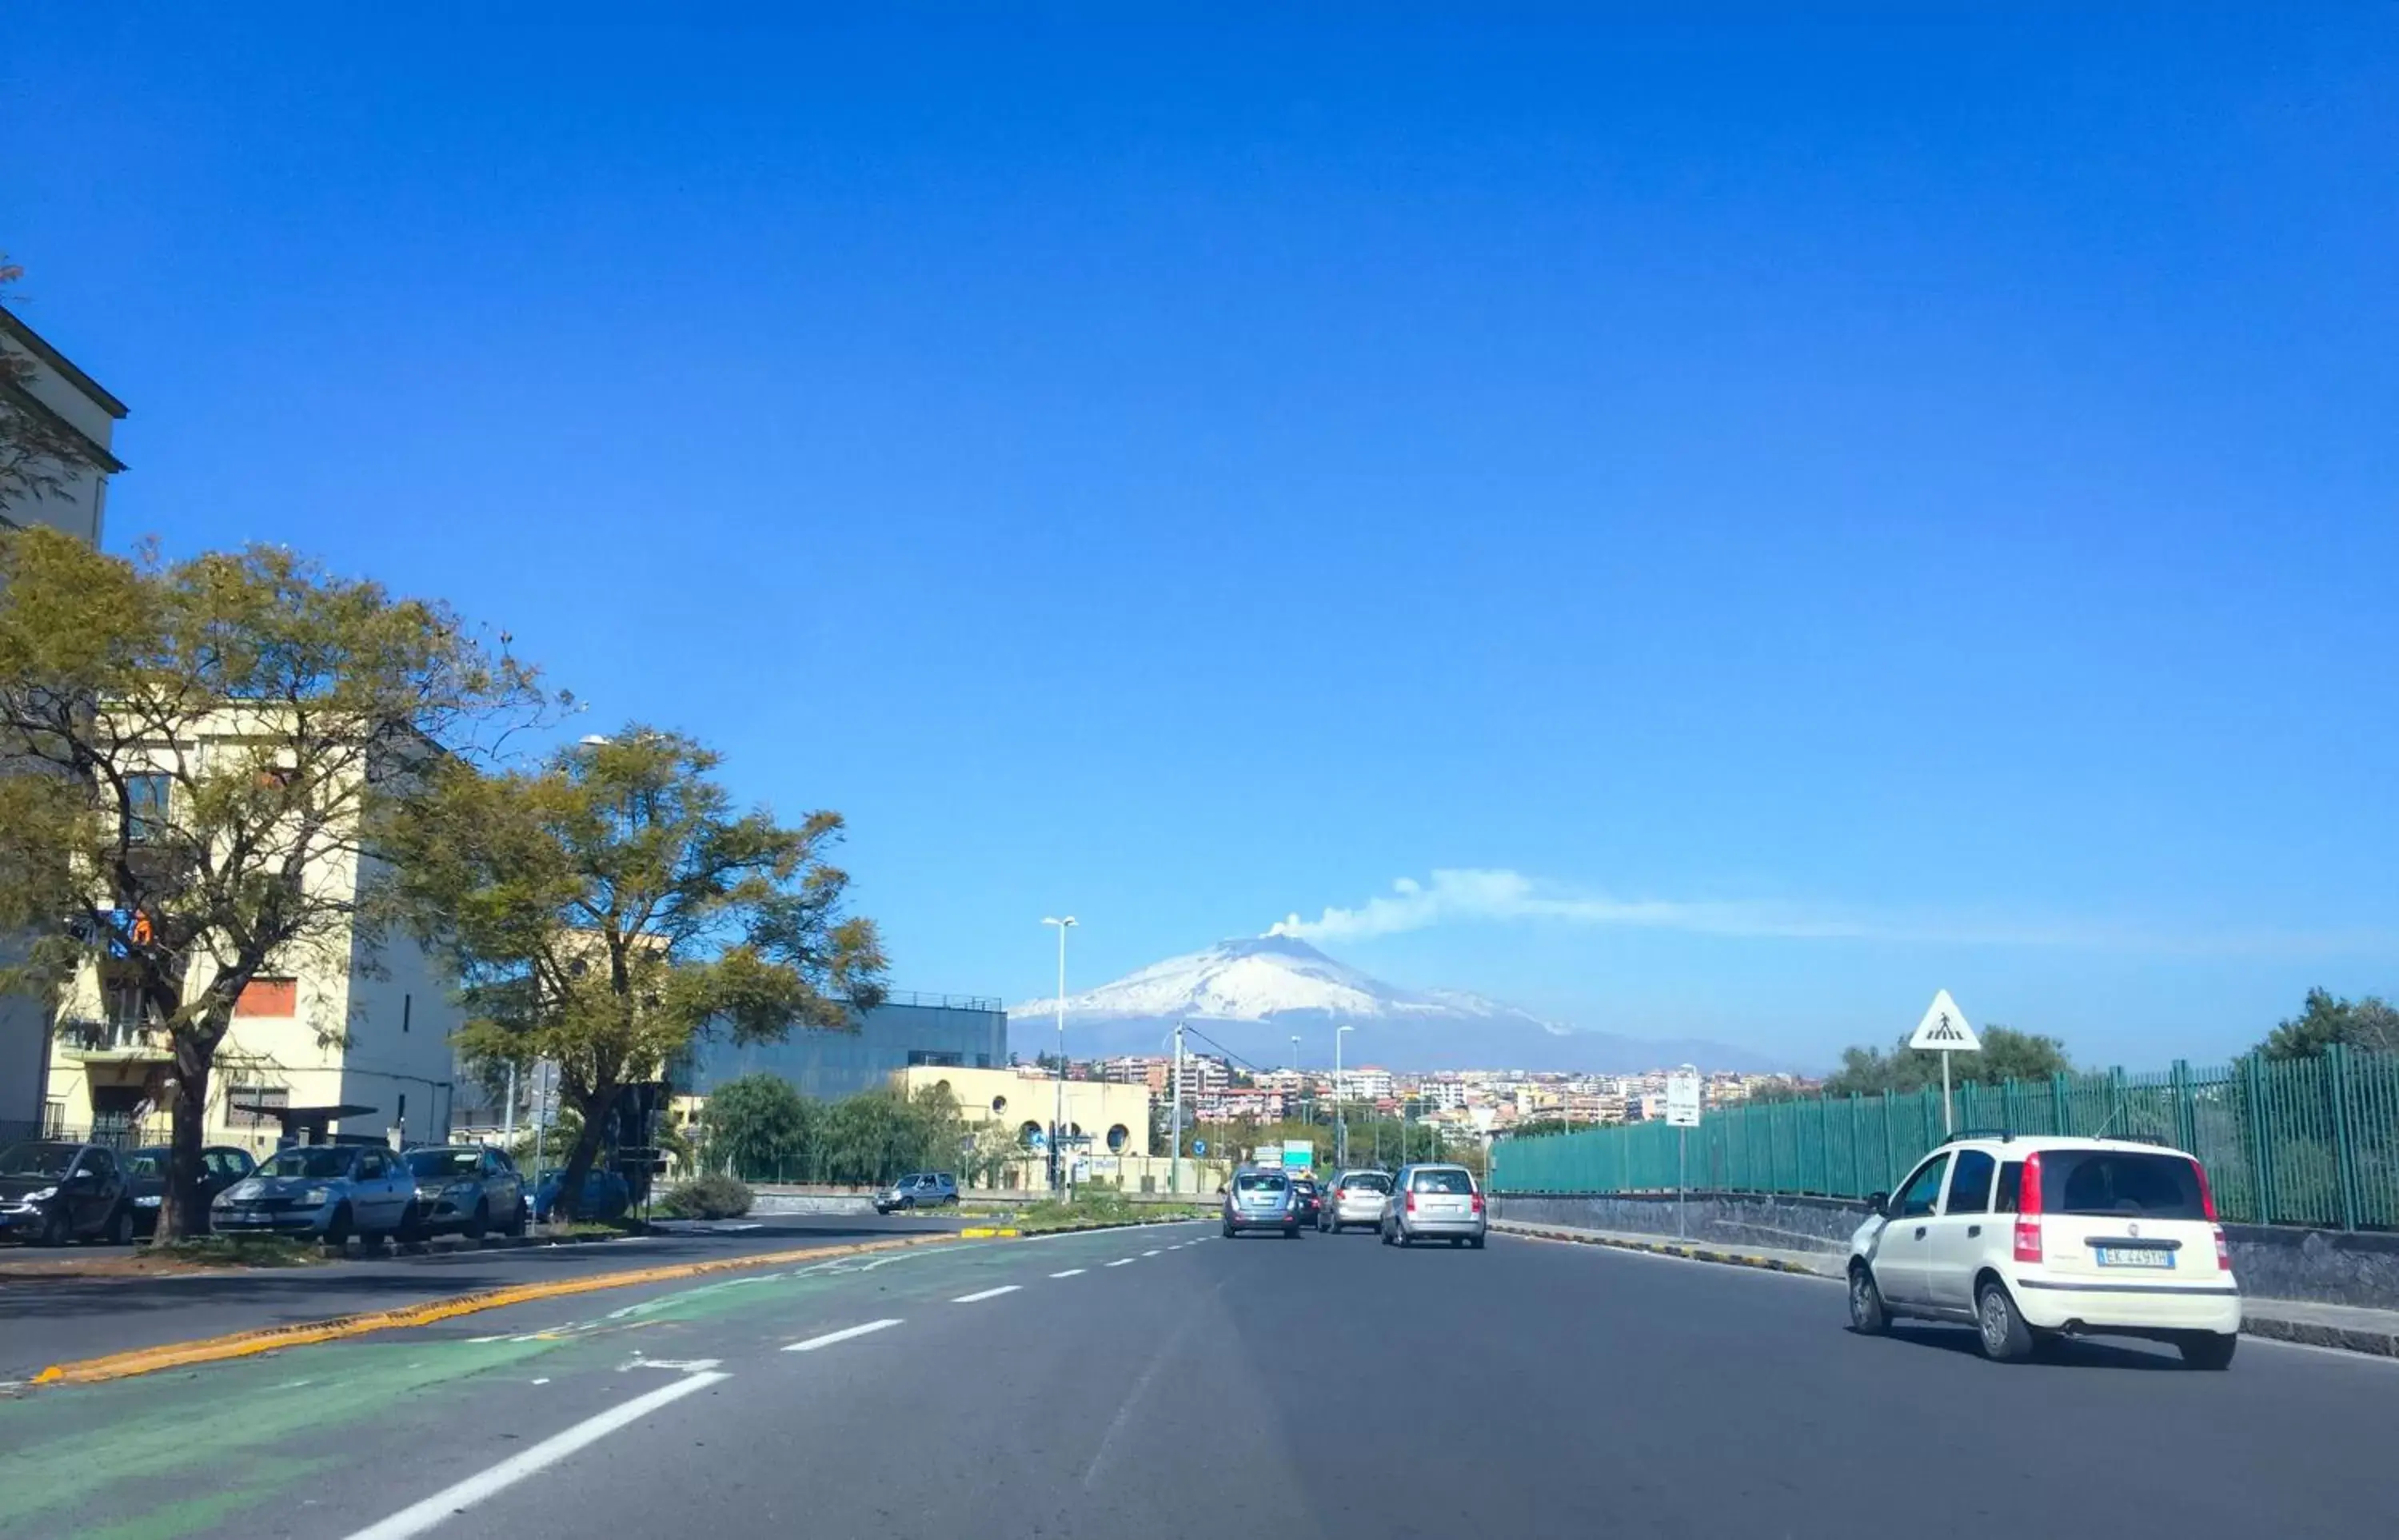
(2350, 1328)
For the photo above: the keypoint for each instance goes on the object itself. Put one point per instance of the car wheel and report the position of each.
(480, 1220)
(521, 1219)
(2209, 1349)
(54, 1229)
(907, 1204)
(1476, 1243)
(337, 1229)
(120, 1225)
(412, 1227)
(1228, 1230)
(1867, 1317)
(2006, 1338)
(1384, 1235)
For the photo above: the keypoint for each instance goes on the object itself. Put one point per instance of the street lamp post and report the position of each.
(1340, 1124)
(1058, 1112)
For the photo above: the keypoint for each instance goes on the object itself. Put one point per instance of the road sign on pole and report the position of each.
(1682, 1116)
(1944, 1031)
(1683, 1098)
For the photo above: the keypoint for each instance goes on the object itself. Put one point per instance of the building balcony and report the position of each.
(119, 1042)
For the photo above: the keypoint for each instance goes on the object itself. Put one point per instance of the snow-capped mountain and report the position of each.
(1251, 994)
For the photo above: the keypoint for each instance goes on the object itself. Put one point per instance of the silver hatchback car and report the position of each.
(1356, 1197)
(1436, 1203)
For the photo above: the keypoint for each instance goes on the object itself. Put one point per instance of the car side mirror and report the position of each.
(1879, 1203)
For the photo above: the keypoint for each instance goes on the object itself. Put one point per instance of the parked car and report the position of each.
(1357, 1198)
(1260, 1198)
(1306, 1198)
(470, 1188)
(1435, 1202)
(2029, 1237)
(322, 1192)
(918, 1190)
(606, 1195)
(54, 1190)
(145, 1179)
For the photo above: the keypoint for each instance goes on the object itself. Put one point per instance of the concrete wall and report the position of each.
(2272, 1262)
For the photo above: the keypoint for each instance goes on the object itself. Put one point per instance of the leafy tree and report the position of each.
(41, 454)
(606, 906)
(2006, 1055)
(758, 1122)
(2370, 1024)
(993, 1151)
(207, 749)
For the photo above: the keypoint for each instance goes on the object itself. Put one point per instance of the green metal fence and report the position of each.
(2310, 1142)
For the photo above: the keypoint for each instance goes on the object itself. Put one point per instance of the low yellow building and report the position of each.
(1115, 1117)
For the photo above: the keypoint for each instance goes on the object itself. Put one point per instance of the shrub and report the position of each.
(712, 1196)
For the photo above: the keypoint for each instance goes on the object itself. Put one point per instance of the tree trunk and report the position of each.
(596, 1109)
(184, 1210)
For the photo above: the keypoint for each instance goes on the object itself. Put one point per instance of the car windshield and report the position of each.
(1257, 1183)
(141, 1163)
(44, 1159)
(2133, 1184)
(316, 1163)
(441, 1163)
(1366, 1181)
(1441, 1181)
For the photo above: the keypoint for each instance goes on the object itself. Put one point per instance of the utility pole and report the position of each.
(1340, 1123)
(1058, 1114)
(1175, 1150)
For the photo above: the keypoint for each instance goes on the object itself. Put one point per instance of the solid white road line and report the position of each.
(419, 1518)
(988, 1294)
(1069, 1272)
(845, 1335)
(1124, 1262)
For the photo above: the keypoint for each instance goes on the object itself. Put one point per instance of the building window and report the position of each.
(1118, 1137)
(268, 997)
(250, 1106)
(937, 1057)
(146, 807)
(999, 1106)
(1027, 1134)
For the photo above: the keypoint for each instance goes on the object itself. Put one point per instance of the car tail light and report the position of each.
(2028, 1210)
(2206, 1194)
(2223, 1251)
(1478, 1203)
(1412, 1202)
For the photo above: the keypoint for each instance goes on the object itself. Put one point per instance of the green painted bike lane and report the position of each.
(195, 1451)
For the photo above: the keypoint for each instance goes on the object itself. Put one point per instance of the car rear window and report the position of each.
(2135, 1185)
(1442, 1181)
(1257, 1183)
(1367, 1181)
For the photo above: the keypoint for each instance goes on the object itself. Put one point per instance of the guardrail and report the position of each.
(2310, 1142)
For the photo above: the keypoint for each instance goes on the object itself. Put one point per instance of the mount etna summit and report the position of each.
(1253, 995)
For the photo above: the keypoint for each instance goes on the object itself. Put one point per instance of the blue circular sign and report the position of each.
(1199, 1146)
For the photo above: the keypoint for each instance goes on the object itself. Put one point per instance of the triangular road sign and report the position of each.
(1945, 1027)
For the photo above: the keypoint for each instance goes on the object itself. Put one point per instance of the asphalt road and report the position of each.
(46, 1319)
(1176, 1383)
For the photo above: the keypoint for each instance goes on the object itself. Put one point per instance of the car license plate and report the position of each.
(2133, 1256)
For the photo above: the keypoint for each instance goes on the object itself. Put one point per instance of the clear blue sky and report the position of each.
(1835, 510)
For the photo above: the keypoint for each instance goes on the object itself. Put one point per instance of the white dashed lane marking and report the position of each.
(987, 1294)
(845, 1335)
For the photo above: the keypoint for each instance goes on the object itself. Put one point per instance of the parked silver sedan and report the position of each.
(1436, 1203)
(1357, 1199)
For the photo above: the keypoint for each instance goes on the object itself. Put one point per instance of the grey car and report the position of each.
(470, 1188)
(1435, 1202)
(1260, 1198)
(918, 1190)
(322, 1192)
(1355, 1199)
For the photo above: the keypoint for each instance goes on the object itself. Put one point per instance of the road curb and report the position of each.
(1659, 1248)
(2346, 1338)
(242, 1345)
